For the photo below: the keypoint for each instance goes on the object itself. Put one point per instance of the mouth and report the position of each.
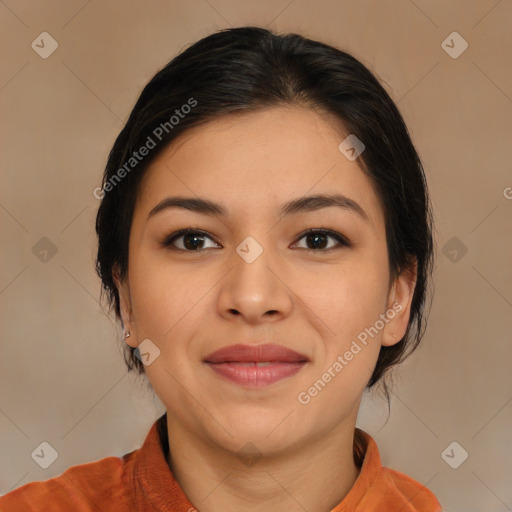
(256, 365)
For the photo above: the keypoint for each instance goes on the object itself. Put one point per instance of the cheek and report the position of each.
(347, 297)
(169, 311)
(164, 300)
(351, 303)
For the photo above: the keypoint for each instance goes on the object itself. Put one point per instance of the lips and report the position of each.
(256, 365)
(255, 354)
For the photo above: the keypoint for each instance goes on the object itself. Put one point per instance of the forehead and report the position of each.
(256, 161)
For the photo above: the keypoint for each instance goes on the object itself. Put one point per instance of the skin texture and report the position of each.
(313, 300)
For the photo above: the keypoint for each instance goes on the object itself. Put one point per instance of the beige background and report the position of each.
(62, 378)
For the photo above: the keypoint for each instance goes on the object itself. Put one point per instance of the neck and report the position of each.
(315, 476)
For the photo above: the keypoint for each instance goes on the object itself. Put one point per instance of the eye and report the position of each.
(193, 240)
(317, 237)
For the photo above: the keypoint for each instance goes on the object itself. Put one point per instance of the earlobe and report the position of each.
(399, 306)
(123, 289)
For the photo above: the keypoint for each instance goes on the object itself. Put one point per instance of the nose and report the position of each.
(255, 291)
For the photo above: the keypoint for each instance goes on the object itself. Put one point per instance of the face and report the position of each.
(312, 278)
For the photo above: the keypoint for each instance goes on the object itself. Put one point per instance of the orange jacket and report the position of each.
(141, 481)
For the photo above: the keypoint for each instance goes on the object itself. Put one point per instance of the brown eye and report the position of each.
(318, 240)
(189, 240)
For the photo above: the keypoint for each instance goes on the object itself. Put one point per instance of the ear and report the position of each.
(399, 305)
(125, 305)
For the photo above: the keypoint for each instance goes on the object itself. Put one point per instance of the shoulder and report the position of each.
(85, 487)
(410, 494)
(381, 488)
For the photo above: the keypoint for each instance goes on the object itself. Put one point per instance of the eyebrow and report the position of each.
(302, 204)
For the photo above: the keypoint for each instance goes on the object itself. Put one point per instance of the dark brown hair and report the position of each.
(249, 69)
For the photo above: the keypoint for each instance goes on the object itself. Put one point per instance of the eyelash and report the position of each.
(342, 241)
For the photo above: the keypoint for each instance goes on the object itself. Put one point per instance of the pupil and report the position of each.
(192, 245)
(316, 236)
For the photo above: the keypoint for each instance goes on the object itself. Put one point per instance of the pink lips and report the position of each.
(256, 365)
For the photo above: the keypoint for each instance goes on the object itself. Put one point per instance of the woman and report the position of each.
(265, 238)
